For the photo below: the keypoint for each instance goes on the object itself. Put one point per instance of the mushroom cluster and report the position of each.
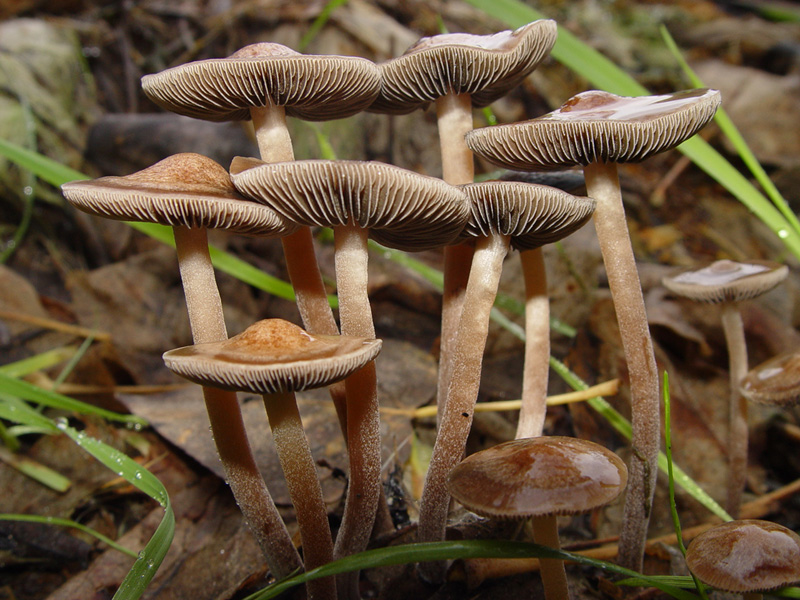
(476, 225)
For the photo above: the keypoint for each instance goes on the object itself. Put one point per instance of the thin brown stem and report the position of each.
(302, 481)
(602, 184)
(462, 393)
(224, 413)
(537, 345)
(554, 577)
(737, 407)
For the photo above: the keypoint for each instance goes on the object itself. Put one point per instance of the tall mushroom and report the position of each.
(459, 71)
(597, 130)
(276, 359)
(266, 82)
(539, 478)
(398, 208)
(502, 213)
(727, 283)
(190, 193)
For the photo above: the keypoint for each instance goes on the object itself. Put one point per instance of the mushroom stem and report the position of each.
(537, 345)
(602, 184)
(737, 410)
(454, 118)
(298, 467)
(224, 414)
(363, 413)
(462, 392)
(554, 577)
(272, 135)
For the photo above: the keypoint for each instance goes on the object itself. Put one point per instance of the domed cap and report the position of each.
(546, 475)
(311, 87)
(775, 382)
(726, 280)
(402, 209)
(484, 66)
(597, 126)
(272, 356)
(746, 556)
(182, 190)
(533, 215)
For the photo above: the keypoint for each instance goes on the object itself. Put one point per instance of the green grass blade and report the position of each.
(72, 525)
(36, 471)
(45, 168)
(38, 362)
(319, 23)
(411, 553)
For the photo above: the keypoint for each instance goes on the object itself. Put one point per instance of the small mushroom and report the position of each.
(727, 283)
(191, 193)
(775, 382)
(276, 359)
(746, 557)
(597, 130)
(539, 478)
(503, 213)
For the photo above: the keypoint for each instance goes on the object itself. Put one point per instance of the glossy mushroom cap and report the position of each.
(540, 476)
(746, 556)
(726, 280)
(533, 215)
(182, 190)
(272, 356)
(775, 382)
(311, 87)
(402, 209)
(484, 66)
(597, 126)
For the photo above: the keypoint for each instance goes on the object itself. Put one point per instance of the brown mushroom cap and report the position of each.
(597, 126)
(533, 215)
(187, 190)
(402, 209)
(775, 382)
(746, 556)
(726, 280)
(311, 87)
(272, 356)
(539, 476)
(484, 66)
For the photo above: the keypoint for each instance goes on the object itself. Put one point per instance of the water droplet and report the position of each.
(27, 190)
(137, 475)
(61, 423)
(783, 234)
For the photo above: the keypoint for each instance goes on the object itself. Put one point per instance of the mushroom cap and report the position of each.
(775, 382)
(597, 126)
(533, 215)
(272, 356)
(746, 556)
(402, 209)
(727, 280)
(310, 87)
(484, 66)
(548, 475)
(187, 190)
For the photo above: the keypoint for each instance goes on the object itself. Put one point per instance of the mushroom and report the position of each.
(775, 382)
(191, 192)
(276, 359)
(265, 82)
(539, 478)
(503, 213)
(727, 283)
(459, 71)
(746, 557)
(398, 208)
(597, 130)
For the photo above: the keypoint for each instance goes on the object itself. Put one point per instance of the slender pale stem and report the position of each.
(537, 345)
(363, 413)
(272, 135)
(454, 116)
(602, 184)
(737, 408)
(224, 413)
(451, 440)
(554, 577)
(300, 472)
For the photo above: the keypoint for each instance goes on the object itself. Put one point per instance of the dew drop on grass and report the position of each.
(783, 234)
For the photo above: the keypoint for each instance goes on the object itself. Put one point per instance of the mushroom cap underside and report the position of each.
(727, 280)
